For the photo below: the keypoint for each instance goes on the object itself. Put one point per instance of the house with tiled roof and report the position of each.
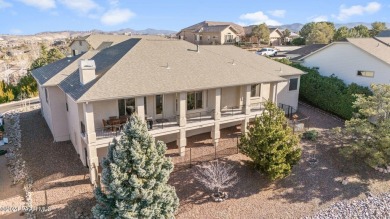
(212, 33)
(357, 60)
(177, 88)
(95, 42)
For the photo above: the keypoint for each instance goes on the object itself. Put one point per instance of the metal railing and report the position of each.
(161, 123)
(288, 110)
(108, 132)
(257, 107)
(200, 116)
(233, 110)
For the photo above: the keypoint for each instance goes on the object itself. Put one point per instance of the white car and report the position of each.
(267, 52)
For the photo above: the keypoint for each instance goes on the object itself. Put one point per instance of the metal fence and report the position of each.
(197, 155)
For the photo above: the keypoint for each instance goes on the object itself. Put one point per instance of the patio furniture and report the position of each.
(112, 117)
(106, 126)
(115, 123)
(123, 119)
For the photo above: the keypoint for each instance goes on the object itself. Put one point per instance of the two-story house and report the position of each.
(212, 33)
(178, 88)
(95, 42)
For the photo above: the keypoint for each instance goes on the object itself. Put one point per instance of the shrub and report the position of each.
(298, 41)
(310, 135)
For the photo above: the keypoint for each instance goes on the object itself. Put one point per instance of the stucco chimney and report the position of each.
(87, 71)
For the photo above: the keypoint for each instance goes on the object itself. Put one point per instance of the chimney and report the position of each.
(87, 71)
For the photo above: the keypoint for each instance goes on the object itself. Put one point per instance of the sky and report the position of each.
(33, 16)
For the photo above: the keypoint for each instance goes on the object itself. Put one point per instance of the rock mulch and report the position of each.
(375, 207)
(60, 183)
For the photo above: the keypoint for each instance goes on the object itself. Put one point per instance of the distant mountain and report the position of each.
(148, 31)
(296, 27)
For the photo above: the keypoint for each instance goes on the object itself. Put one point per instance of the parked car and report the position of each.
(267, 52)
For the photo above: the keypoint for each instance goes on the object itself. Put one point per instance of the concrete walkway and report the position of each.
(11, 196)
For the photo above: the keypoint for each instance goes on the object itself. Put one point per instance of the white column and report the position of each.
(93, 163)
(89, 122)
(272, 92)
(244, 125)
(247, 99)
(276, 94)
(182, 109)
(140, 108)
(182, 141)
(215, 133)
(217, 110)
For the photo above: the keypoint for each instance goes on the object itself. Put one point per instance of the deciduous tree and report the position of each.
(262, 33)
(377, 27)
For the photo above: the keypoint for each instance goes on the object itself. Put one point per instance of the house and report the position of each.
(385, 33)
(275, 36)
(178, 88)
(291, 37)
(210, 32)
(297, 54)
(95, 42)
(357, 60)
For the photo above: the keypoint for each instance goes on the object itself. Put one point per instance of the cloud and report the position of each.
(15, 31)
(116, 16)
(81, 6)
(4, 4)
(319, 18)
(345, 13)
(258, 18)
(278, 13)
(114, 3)
(41, 4)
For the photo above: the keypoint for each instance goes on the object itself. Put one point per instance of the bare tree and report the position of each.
(216, 176)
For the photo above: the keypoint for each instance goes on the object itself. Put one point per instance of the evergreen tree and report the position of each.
(270, 144)
(370, 127)
(135, 174)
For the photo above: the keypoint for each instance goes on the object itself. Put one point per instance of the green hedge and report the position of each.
(328, 93)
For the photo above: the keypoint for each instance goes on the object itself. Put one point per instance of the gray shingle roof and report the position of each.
(373, 47)
(306, 50)
(45, 73)
(104, 45)
(104, 60)
(385, 33)
(196, 27)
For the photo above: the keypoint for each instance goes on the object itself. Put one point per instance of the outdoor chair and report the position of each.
(106, 126)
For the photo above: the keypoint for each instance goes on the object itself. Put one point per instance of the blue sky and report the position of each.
(32, 16)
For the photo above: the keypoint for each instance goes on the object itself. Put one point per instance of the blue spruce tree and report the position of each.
(135, 175)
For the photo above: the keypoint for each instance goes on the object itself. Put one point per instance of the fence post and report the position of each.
(190, 158)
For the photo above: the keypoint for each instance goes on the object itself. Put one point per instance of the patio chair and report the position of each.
(106, 126)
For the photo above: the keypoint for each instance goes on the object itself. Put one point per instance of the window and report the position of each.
(200, 38)
(293, 85)
(195, 100)
(126, 106)
(46, 97)
(255, 90)
(369, 74)
(229, 38)
(159, 104)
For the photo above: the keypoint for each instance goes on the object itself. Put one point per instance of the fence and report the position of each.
(300, 125)
(199, 154)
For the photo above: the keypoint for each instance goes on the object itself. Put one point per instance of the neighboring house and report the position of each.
(179, 88)
(385, 33)
(212, 33)
(275, 36)
(357, 60)
(95, 42)
(298, 54)
(291, 37)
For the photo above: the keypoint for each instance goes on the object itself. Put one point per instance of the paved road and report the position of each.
(11, 106)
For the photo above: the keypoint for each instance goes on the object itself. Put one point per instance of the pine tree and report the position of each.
(135, 175)
(271, 144)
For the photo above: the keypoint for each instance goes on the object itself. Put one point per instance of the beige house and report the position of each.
(212, 33)
(95, 42)
(180, 89)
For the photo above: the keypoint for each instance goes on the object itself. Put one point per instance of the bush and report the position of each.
(310, 135)
(329, 93)
(298, 41)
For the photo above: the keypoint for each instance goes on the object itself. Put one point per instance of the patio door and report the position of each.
(126, 106)
(159, 106)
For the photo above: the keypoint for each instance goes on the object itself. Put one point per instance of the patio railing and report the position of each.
(200, 116)
(162, 123)
(257, 107)
(233, 110)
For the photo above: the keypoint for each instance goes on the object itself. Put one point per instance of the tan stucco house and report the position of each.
(212, 33)
(95, 42)
(169, 82)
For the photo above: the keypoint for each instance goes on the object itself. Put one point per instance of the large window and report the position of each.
(159, 104)
(293, 85)
(255, 90)
(369, 74)
(229, 38)
(126, 106)
(195, 100)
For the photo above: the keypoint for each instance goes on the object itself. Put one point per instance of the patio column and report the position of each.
(182, 109)
(215, 133)
(273, 92)
(93, 164)
(244, 125)
(140, 108)
(247, 99)
(89, 122)
(182, 141)
(217, 110)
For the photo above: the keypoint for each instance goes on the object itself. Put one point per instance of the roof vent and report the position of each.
(168, 66)
(87, 71)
